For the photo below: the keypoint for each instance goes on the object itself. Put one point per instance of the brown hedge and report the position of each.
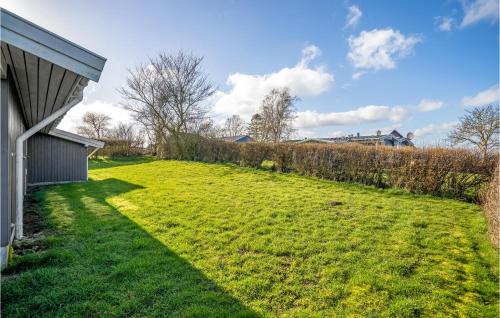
(195, 148)
(438, 171)
(119, 148)
(491, 206)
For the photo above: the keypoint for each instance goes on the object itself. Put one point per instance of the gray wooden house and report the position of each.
(58, 157)
(42, 77)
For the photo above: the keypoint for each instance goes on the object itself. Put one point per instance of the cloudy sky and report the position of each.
(357, 66)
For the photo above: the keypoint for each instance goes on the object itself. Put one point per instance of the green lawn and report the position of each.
(184, 239)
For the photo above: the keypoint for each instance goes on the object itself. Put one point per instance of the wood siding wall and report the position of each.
(55, 160)
(11, 126)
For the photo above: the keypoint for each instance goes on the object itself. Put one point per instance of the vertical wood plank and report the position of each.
(56, 77)
(43, 86)
(32, 75)
(20, 68)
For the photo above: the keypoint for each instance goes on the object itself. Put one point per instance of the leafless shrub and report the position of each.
(122, 141)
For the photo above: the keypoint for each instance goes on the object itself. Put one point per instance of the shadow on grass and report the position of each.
(102, 163)
(101, 264)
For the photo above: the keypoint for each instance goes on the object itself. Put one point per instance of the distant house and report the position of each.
(242, 138)
(393, 139)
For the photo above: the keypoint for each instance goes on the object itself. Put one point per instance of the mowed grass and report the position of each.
(184, 239)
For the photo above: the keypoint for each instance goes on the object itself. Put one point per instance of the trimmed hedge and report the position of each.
(438, 171)
(196, 148)
(119, 148)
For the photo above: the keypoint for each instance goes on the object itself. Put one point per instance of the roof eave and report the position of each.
(29, 37)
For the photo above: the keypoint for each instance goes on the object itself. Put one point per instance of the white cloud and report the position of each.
(370, 113)
(433, 129)
(444, 23)
(309, 53)
(475, 11)
(73, 117)
(488, 96)
(313, 133)
(379, 49)
(358, 75)
(353, 16)
(384, 130)
(247, 91)
(337, 133)
(304, 133)
(428, 105)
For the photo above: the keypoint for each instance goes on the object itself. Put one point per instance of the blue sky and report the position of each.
(357, 66)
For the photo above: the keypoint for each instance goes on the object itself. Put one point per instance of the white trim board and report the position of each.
(76, 138)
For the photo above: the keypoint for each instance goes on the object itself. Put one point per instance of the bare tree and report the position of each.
(278, 112)
(234, 126)
(128, 134)
(255, 128)
(166, 96)
(480, 128)
(124, 139)
(95, 125)
(208, 129)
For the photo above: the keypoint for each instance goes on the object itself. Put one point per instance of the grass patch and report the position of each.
(186, 239)
(268, 165)
(105, 162)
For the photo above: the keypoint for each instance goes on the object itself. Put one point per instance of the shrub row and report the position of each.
(438, 171)
(119, 148)
(195, 148)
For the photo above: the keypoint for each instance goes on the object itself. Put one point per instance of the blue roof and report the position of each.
(240, 138)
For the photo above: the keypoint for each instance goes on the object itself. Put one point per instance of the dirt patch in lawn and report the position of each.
(33, 221)
(34, 227)
(335, 203)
